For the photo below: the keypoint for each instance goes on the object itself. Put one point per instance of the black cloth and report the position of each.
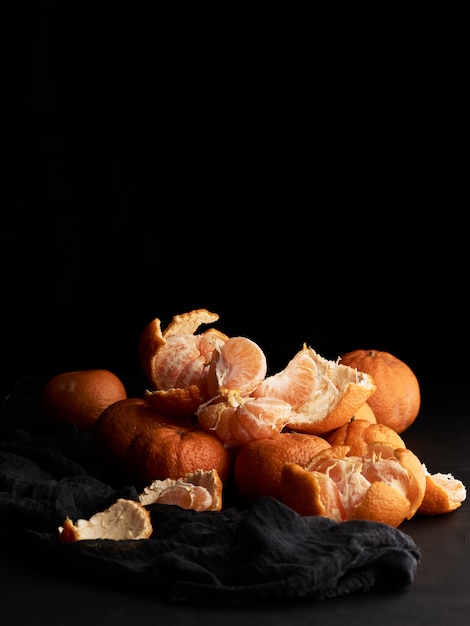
(264, 551)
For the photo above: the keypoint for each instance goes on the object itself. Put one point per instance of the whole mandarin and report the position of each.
(174, 451)
(121, 422)
(397, 398)
(80, 396)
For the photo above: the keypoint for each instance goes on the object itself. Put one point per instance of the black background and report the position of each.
(302, 177)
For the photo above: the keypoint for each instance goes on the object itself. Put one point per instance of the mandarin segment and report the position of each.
(178, 363)
(258, 418)
(183, 494)
(217, 418)
(338, 393)
(183, 361)
(294, 384)
(309, 493)
(365, 412)
(366, 439)
(237, 422)
(239, 365)
(345, 485)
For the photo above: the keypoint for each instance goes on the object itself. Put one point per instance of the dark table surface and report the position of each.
(440, 592)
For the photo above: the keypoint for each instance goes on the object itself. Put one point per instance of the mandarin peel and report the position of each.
(178, 358)
(359, 433)
(123, 520)
(340, 390)
(179, 402)
(382, 503)
(379, 486)
(200, 490)
(443, 494)
(189, 323)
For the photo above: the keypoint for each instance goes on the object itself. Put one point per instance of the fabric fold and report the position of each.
(265, 551)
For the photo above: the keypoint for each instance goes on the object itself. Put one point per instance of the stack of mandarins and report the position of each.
(322, 436)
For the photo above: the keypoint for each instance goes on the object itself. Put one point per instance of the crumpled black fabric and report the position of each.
(263, 552)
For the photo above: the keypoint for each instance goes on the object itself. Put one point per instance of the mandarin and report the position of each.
(365, 412)
(384, 485)
(177, 357)
(339, 391)
(176, 360)
(237, 422)
(79, 397)
(120, 423)
(173, 452)
(397, 398)
(258, 464)
(152, 339)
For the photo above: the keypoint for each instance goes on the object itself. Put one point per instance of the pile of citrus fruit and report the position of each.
(322, 436)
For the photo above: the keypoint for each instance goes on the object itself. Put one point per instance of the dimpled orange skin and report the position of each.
(358, 433)
(121, 422)
(397, 398)
(79, 397)
(383, 503)
(310, 492)
(307, 493)
(302, 490)
(172, 452)
(258, 465)
(443, 494)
